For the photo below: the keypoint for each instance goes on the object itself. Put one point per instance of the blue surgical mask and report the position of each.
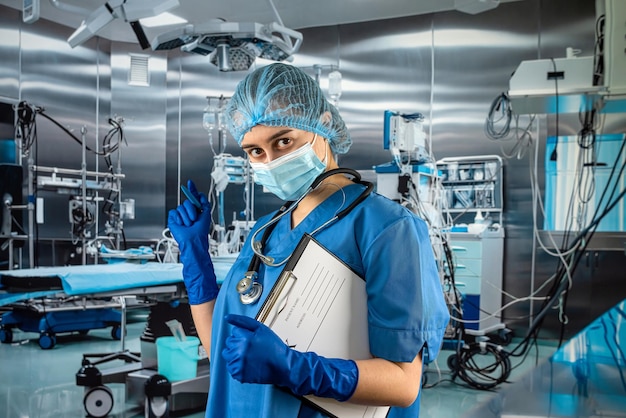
(290, 176)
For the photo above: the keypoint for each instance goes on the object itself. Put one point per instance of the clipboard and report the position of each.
(319, 304)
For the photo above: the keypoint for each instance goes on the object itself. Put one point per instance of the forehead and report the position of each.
(260, 134)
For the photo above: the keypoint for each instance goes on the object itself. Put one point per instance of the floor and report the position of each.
(40, 383)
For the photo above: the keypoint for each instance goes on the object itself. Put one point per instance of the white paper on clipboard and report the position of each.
(319, 304)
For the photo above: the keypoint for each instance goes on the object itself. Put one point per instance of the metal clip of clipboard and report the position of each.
(277, 300)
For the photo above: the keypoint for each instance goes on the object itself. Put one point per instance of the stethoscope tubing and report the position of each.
(249, 288)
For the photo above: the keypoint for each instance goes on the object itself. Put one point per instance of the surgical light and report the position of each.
(232, 46)
(163, 19)
(222, 57)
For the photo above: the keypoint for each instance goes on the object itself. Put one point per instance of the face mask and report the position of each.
(290, 176)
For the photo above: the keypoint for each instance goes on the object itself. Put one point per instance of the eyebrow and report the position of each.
(271, 138)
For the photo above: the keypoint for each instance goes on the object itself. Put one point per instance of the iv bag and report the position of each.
(210, 120)
(334, 85)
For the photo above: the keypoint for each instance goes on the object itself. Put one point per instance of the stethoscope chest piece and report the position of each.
(249, 289)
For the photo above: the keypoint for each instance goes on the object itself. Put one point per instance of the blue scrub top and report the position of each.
(383, 242)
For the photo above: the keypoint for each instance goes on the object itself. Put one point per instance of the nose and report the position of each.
(271, 155)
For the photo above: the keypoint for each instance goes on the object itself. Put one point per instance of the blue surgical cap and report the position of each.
(284, 95)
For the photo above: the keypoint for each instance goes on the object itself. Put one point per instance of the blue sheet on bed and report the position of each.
(100, 278)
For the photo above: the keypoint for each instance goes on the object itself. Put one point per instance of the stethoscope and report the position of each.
(249, 288)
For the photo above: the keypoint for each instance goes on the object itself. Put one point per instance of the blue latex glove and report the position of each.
(190, 228)
(255, 354)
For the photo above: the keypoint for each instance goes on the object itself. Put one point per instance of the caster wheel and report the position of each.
(98, 401)
(157, 407)
(157, 389)
(116, 332)
(452, 362)
(503, 337)
(47, 341)
(506, 336)
(6, 336)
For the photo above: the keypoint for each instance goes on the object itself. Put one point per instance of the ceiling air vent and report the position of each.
(138, 74)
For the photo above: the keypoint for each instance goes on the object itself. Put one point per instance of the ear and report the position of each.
(326, 118)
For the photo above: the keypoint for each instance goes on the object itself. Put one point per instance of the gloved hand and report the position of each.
(190, 228)
(255, 354)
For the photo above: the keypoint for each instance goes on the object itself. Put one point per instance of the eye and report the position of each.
(283, 143)
(255, 152)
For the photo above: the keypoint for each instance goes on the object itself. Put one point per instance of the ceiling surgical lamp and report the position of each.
(129, 10)
(232, 46)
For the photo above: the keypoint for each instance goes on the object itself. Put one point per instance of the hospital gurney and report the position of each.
(51, 300)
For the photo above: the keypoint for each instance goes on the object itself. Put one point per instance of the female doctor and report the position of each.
(280, 118)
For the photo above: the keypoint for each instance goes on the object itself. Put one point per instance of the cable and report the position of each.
(472, 370)
(553, 156)
(581, 242)
(108, 208)
(501, 104)
(82, 220)
(598, 56)
(109, 147)
(26, 128)
(481, 376)
(584, 237)
(170, 248)
(569, 252)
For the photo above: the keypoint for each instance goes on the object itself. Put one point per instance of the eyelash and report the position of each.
(282, 142)
(252, 151)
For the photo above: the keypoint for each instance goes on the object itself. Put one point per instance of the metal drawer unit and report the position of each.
(478, 276)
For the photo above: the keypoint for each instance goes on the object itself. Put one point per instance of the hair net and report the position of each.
(284, 95)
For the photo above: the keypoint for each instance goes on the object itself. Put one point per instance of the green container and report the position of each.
(177, 360)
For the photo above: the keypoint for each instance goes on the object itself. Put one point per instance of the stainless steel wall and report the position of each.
(73, 87)
(82, 88)
(10, 53)
(143, 108)
(448, 66)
